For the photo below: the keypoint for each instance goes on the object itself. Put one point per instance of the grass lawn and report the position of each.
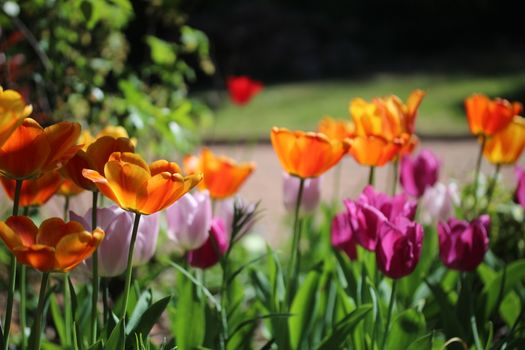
(301, 105)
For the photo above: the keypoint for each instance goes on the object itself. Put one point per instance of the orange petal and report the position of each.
(39, 257)
(128, 157)
(25, 230)
(68, 188)
(126, 179)
(506, 146)
(373, 150)
(52, 230)
(101, 182)
(62, 138)
(413, 102)
(75, 247)
(160, 166)
(74, 167)
(100, 150)
(34, 191)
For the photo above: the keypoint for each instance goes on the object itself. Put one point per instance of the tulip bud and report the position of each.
(343, 235)
(419, 173)
(208, 255)
(238, 215)
(463, 244)
(310, 197)
(438, 202)
(399, 247)
(118, 225)
(519, 194)
(189, 220)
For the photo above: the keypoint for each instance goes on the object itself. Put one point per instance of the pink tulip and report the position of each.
(311, 195)
(419, 173)
(342, 234)
(438, 203)
(463, 244)
(206, 256)
(519, 194)
(189, 220)
(118, 224)
(399, 247)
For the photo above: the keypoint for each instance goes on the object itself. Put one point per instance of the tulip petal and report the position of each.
(52, 230)
(75, 247)
(62, 138)
(126, 180)
(38, 256)
(103, 147)
(24, 229)
(74, 167)
(162, 165)
(131, 158)
(101, 182)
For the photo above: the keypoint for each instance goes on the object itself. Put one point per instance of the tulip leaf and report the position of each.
(190, 317)
(424, 342)
(150, 316)
(303, 310)
(344, 328)
(505, 281)
(141, 306)
(447, 311)
(117, 339)
(58, 320)
(96, 346)
(406, 328)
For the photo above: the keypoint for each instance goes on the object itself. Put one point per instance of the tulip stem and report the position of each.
(36, 331)
(23, 297)
(371, 175)
(12, 275)
(95, 279)
(389, 313)
(129, 267)
(105, 300)
(68, 317)
(478, 170)
(395, 168)
(66, 207)
(293, 269)
(492, 185)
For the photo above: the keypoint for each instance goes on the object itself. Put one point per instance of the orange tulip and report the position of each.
(69, 189)
(32, 150)
(94, 157)
(306, 154)
(137, 187)
(487, 117)
(336, 129)
(55, 246)
(506, 146)
(192, 165)
(13, 110)
(34, 191)
(222, 175)
(373, 150)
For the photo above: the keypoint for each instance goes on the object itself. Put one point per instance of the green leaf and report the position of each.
(190, 317)
(494, 291)
(447, 312)
(116, 340)
(510, 308)
(96, 346)
(162, 52)
(303, 310)
(58, 320)
(406, 328)
(141, 306)
(344, 328)
(151, 316)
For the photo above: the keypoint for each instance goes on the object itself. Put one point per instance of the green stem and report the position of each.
(105, 300)
(66, 208)
(292, 269)
(36, 331)
(23, 297)
(389, 314)
(95, 278)
(68, 317)
(492, 186)
(129, 267)
(12, 275)
(478, 170)
(371, 175)
(395, 168)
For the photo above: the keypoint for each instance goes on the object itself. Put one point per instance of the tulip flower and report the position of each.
(113, 250)
(343, 236)
(311, 195)
(13, 110)
(399, 247)
(242, 89)
(55, 246)
(68, 188)
(519, 193)
(134, 186)
(487, 117)
(208, 254)
(223, 177)
(419, 173)
(438, 202)
(506, 146)
(94, 157)
(306, 154)
(373, 150)
(32, 150)
(189, 220)
(463, 244)
(34, 191)
(237, 215)
(336, 129)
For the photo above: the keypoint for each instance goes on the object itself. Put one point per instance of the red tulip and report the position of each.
(206, 256)
(242, 89)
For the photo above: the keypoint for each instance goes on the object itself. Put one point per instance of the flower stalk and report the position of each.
(294, 268)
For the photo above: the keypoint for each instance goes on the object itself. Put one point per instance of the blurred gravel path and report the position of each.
(457, 157)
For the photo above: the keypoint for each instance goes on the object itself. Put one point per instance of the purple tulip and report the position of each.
(399, 247)
(311, 195)
(519, 194)
(419, 173)
(463, 244)
(371, 209)
(118, 224)
(206, 256)
(342, 234)
(189, 220)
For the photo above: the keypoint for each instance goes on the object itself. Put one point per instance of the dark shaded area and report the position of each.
(295, 40)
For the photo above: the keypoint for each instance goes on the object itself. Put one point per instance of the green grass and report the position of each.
(301, 105)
